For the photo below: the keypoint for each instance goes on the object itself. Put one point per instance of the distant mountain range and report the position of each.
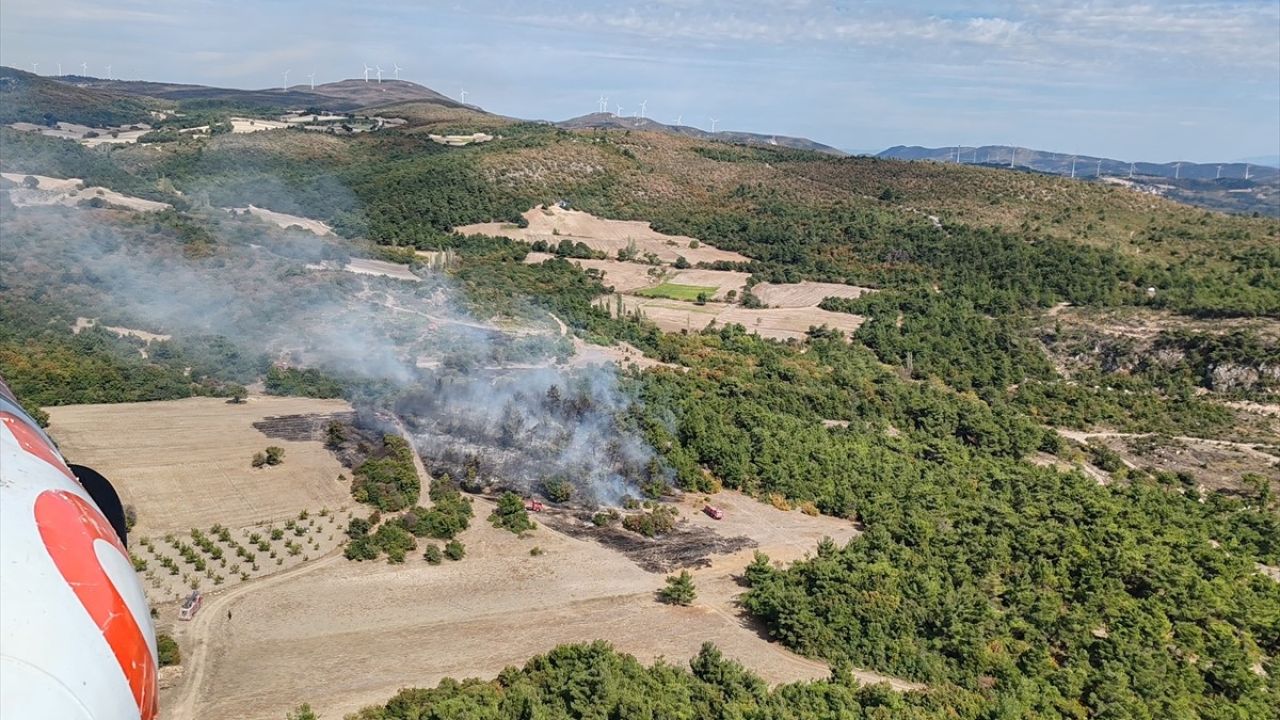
(353, 94)
(96, 102)
(1215, 186)
(1085, 165)
(609, 121)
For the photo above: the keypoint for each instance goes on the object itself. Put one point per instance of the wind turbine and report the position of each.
(463, 93)
(1177, 171)
(713, 124)
(602, 104)
(1013, 157)
(619, 113)
(397, 70)
(59, 69)
(35, 68)
(1131, 166)
(1073, 167)
(366, 72)
(1219, 175)
(312, 78)
(643, 105)
(1098, 172)
(286, 79)
(379, 71)
(84, 68)
(680, 119)
(108, 72)
(1246, 171)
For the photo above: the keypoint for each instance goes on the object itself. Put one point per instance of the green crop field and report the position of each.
(674, 291)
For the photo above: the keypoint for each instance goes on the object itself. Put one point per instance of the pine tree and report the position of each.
(679, 589)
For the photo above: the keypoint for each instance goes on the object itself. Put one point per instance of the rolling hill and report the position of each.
(609, 121)
(1085, 165)
(344, 95)
(25, 97)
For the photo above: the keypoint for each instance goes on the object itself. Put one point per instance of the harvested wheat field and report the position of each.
(776, 323)
(185, 463)
(724, 281)
(804, 294)
(628, 277)
(340, 635)
(555, 224)
(623, 277)
(381, 267)
(248, 125)
(284, 220)
(67, 191)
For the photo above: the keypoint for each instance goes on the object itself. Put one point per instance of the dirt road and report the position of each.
(341, 635)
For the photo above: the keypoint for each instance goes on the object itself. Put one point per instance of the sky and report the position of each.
(1161, 80)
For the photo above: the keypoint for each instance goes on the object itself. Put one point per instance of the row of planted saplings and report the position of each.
(204, 556)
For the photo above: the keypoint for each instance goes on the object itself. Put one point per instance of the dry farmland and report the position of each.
(555, 224)
(185, 463)
(804, 294)
(381, 267)
(286, 618)
(67, 191)
(341, 635)
(777, 323)
(285, 220)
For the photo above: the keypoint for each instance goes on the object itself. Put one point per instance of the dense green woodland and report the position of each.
(594, 682)
(1013, 591)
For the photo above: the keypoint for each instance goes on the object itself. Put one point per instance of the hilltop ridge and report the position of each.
(610, 121)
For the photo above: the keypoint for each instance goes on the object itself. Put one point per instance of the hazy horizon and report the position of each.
(1193, 82)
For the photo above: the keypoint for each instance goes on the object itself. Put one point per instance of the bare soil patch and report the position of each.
(1217, 465)
(460, 140)
(185, 463)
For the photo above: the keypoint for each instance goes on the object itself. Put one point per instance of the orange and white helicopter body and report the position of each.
(76, 637)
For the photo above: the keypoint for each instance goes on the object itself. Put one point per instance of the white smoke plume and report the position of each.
(474, 395)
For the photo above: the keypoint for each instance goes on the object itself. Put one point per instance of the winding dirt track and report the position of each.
(1246, 448)
(213, 615)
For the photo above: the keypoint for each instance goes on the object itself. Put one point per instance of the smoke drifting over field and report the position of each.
(524, 429)
(493, 409)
